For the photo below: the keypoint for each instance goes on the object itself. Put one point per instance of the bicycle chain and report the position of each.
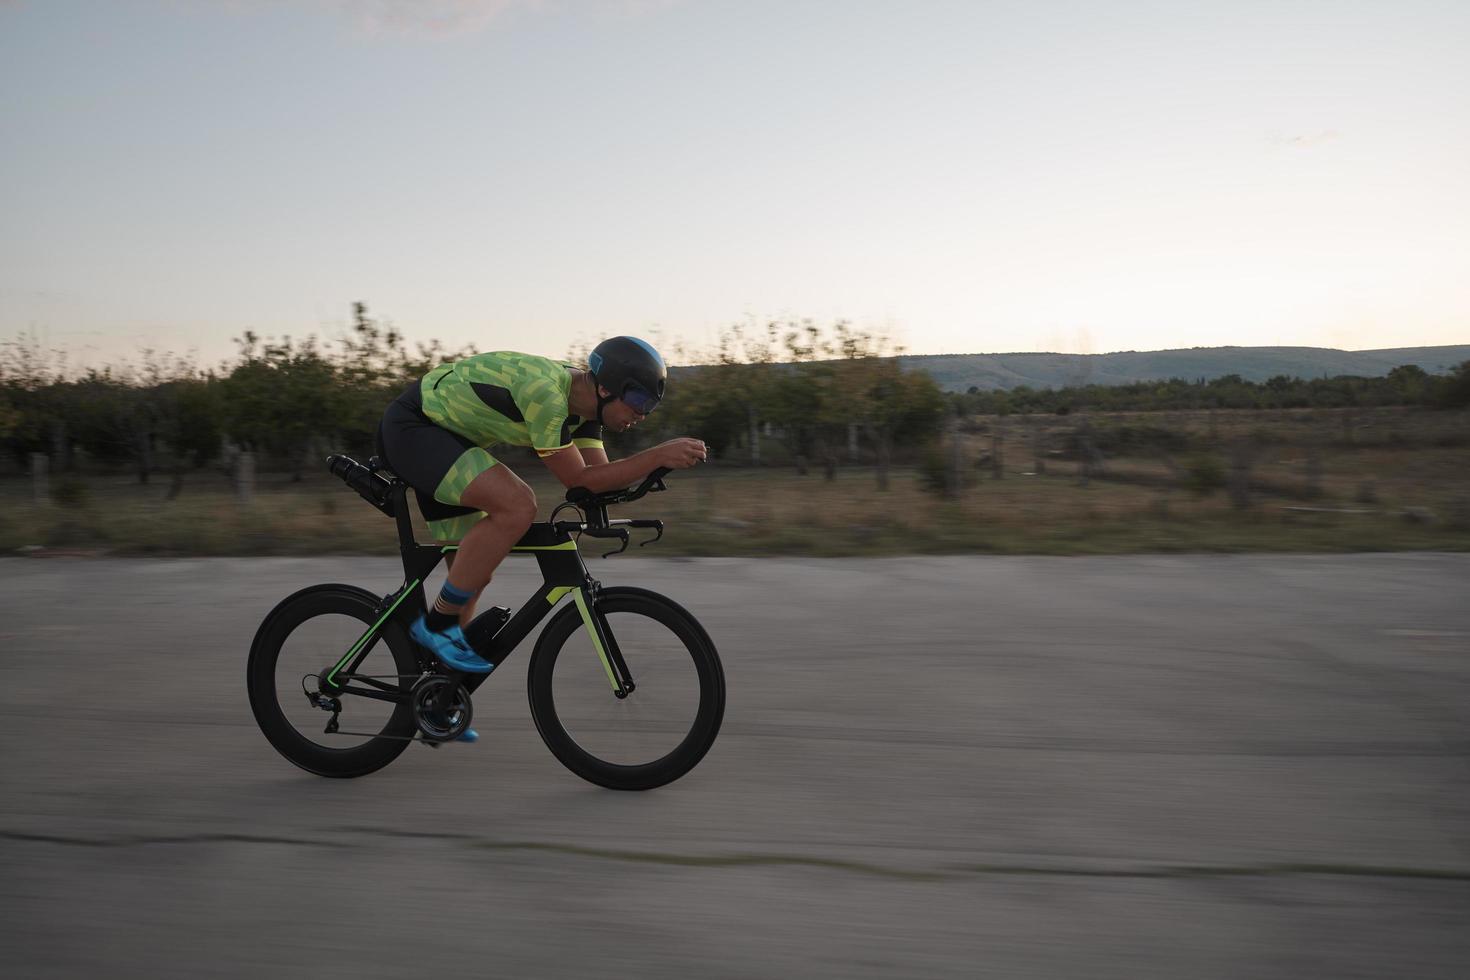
(431, 743)
(397, 738)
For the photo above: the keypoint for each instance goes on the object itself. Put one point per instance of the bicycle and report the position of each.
(335, 646)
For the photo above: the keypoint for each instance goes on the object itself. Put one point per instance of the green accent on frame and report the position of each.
(371, 630)
(564, 546)
(554, 596)
(581, 596)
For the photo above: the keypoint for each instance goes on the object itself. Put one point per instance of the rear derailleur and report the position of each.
(334, 705)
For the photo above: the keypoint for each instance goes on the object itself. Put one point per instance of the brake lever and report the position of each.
(660, 529)
(624, 536)
(609, 532)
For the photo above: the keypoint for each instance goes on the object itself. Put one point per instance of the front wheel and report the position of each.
(663, 727)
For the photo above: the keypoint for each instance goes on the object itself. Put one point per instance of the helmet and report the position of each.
(631, 370)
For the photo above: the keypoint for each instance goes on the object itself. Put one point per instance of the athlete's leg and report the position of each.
(441, 466)
(487, 508)
(510, 507)
(466, 613)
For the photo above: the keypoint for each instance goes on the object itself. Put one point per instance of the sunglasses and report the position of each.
(638, 399)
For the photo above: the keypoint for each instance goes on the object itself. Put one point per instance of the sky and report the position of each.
(962, 177)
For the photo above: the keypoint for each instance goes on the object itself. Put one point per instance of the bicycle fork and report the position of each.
(604, 643)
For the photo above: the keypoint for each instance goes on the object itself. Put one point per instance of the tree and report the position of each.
(724, 395)
(743, 375)
(108, 417)
(797, 392)
(870, 388)
(280, 395)
(372, 366)
(189, 422)
(32, 378)
(1454, 391)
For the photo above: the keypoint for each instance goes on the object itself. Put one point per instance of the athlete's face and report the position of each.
(619, 416)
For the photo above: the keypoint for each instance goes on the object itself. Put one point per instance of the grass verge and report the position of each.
(764, 512)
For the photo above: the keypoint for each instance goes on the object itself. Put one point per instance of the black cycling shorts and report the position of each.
(437, 463)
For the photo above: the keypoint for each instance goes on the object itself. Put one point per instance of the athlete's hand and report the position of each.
(680, 454)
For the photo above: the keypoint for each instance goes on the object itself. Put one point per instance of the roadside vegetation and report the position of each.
(823, 446)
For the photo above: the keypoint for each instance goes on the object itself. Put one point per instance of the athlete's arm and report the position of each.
(572, 469)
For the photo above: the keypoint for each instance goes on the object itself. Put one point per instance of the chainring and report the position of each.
(441, 708)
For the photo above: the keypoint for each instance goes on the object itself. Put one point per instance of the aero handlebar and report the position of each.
(652, 483)
(594, 508)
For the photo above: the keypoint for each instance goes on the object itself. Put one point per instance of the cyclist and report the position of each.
(436, 435)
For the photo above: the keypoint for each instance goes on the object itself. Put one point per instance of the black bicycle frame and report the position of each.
(562, 571)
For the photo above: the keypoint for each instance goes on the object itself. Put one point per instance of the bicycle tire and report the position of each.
(615, 603)
(263, 685)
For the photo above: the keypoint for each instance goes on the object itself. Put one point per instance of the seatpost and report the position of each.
(407, 546)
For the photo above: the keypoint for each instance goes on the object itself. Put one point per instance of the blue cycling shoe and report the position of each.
(451, 647)
(470, 735)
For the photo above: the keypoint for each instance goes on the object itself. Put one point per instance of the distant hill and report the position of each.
(958, 372)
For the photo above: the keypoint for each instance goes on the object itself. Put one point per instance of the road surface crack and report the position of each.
(768, 860)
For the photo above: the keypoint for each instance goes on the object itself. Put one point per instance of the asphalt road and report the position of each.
(1189, 767)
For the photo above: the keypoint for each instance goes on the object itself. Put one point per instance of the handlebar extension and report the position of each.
(652, 483)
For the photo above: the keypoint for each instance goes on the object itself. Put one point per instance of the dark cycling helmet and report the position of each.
(631, 370)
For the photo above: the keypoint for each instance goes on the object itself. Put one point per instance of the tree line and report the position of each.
(280, 399)
(290, 402)
(823, 395)
(1405, 385)
(814, 395)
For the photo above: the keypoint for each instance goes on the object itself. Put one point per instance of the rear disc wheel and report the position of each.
(307, 634)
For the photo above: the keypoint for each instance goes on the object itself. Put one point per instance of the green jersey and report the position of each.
(509, 398)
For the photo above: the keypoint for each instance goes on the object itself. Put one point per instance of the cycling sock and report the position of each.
(446, 608)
